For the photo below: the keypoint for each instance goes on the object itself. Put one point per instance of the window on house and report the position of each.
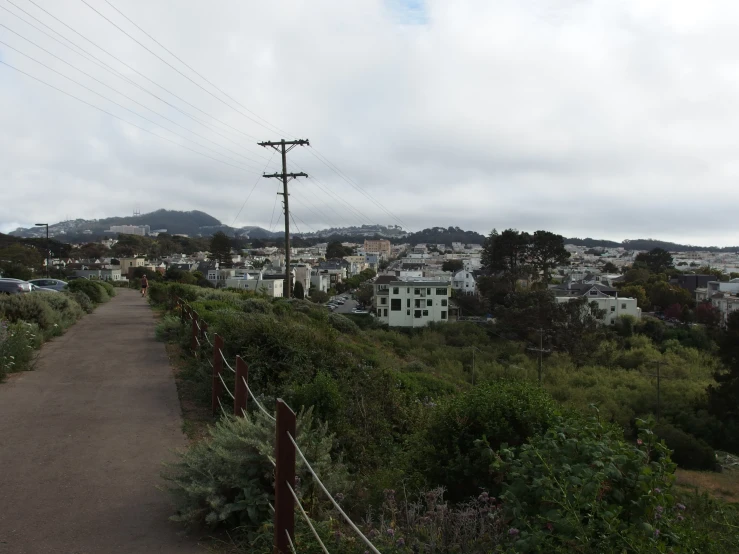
(443, 302)
(443, 315)
(396, 290)
(425, 312)
(408, 290)
(407, 312)
(613, 308)
(593, 292)
(395, 304)
(407, 302)
(418, 303)
(417, 292)
(417, 314)
(623, 306)
(379, 312)
(429, 302)
(384, 312)
(441, 292)
(428, 291)
(383, 300)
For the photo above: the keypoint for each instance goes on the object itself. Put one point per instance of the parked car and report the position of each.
(55, 284)
(35, 288)
(14, 286)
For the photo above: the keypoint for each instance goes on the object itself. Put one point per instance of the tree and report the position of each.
(638, 292)
(707, 314)
(662, 294)
(610, 267)
(336, 250)
(318, 296)
(452, 265)
(220, 248)
(365, 294)
(507, 252)
(674, 311)
(547, 251)
(656, 260)
(724, 397)
(298, 290)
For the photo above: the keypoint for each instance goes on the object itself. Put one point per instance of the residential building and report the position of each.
(128, 263)
(464, 282)
(218, 276)
(320, 281)
(99, 274)
(693, 282)
(715, 287)
(140, 230)
(413, 303)
(726, 304)
(273, 288)
(302, 275)
(381, 247)
(605, 297)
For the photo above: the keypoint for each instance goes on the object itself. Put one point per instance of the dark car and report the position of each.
(55, 284)
(14, 286)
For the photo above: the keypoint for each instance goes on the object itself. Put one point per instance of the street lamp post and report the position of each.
(48, 252)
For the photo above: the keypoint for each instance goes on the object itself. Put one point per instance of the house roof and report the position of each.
(385, 279)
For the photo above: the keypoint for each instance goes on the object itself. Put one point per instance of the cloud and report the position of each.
(584, 117)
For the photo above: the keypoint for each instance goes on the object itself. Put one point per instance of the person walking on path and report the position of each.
(144, 285)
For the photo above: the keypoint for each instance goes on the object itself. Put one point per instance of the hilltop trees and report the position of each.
(337, 250)
(518, 254)
(452, 265)
(656, 260)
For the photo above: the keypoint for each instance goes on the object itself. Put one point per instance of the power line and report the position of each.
(252, 190)
(97, 61)
(117, 117)
(268, 125)
(195, 71)
(274, 130)
(114, 90)
(122, 63)
(273, 212)
(122, 106)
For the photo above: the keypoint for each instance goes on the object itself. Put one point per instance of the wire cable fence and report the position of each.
(284, 419)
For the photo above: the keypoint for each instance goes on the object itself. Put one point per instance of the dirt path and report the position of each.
(82, 439)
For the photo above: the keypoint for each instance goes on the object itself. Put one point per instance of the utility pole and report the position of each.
(540, 350)
(48, 248)
(283, 147)
(658, 375)
(473, 363)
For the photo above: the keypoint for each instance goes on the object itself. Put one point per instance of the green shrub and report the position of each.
(65, 306)
(165, 294)
(322, 394)
(31, 308)
(256, 305)
(504, 412)
(109, 288)
(17, 344)
(83, 300)
(228, 480)
(97, 292)
(169, 329)
(580, 487)
(688, 451)
(343, 324)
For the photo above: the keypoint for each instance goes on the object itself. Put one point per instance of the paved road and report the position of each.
(347, 308)
(82, 439)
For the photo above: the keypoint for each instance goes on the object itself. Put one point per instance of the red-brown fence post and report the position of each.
(217, 369)
(284, 474)
(194, 337)
(203, 330)
(240, 393)
(181, 308)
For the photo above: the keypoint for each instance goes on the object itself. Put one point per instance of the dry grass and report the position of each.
(195, 417)
(723, 486)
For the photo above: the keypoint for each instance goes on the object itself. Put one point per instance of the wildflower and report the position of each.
(659, 509)
(390, 531)
(339, 497)
(656, 533)
(400, 542)
(549, 526)
(639, 442)
(657, 490)
(680, 506)
(513, 532)
(680, 517)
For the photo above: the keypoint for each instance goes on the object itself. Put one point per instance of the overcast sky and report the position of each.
(584, 117)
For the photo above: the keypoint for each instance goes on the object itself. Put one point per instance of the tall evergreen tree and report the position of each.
(220, 248)
(547, 252)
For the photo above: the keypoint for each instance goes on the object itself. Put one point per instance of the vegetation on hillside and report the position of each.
(506, 465)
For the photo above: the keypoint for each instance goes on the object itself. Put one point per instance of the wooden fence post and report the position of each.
(240, 393)
(284, 473)
(217, 369)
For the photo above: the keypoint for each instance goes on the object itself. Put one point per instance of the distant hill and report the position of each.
(647, 244)
(443, 235)
(191, 223)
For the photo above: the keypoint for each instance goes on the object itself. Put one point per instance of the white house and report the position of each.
(413, 303)
(714, 287)
(464, 282)
(273, 288)
(726, 304)
(606, 297)
(320, 281)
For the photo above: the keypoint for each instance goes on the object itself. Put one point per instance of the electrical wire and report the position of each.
(115, 116)
(273, 213)
(252, 189)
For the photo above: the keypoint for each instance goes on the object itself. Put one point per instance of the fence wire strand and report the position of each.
(225, 386)
(225, 361)
(307, 519)
(290, 540)
(331, 498)
(259, 405)
(222, 408)
(207, 339)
